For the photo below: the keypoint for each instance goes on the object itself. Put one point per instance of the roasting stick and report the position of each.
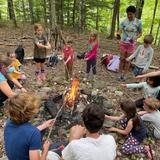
(51, 128)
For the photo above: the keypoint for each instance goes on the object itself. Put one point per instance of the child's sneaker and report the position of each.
(43, 75)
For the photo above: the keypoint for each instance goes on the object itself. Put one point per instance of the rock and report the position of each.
(119, 93)
(100, 84)
(115, 136)
(108, 124)
(80, 107)
(107, 104)
(46, 89)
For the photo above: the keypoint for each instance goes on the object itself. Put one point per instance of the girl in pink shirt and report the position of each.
(92, 46)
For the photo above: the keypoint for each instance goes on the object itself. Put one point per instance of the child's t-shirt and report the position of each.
(143, 57)
(154, 118)
(92, 51)
(16, 64)
(40, 52)
(68, 51)
(13, 73)
(130, 29)
(148, 90)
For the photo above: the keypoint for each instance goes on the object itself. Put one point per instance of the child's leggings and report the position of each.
(91, 64)
(131, 145)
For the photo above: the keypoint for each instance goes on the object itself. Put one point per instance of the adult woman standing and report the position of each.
(131, 30)
(6, 82)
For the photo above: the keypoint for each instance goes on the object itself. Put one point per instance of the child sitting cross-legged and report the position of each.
(133, 128)
(151, 88)
(15, 70)
(152, 114)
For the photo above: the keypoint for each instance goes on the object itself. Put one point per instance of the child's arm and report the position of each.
(65, 62)
(134, 54)
(141, 113)
(133, 85)
(125, 131)
(114, 118)
(150, 56)
(93, 53)
(48, 46)
(151, 74)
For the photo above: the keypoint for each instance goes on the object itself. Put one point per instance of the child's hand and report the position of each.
(86, 59)
(112, 129)
(123, 85)
(46, 146)
(23, 89)
(49, 123)
(107, 117)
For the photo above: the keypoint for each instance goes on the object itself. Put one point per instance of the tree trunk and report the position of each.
(154, 13)
(74, 12)
(118, 16)
(31, 11)
(68, 12)
(139, 8)
(61, 14)
(115, 11)
(11, 12)
(97, 18)
(83, 15)
(44, 10)
(24, 11)
(53, 13)
(157, 34)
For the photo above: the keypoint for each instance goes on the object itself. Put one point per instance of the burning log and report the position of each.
(71, 97)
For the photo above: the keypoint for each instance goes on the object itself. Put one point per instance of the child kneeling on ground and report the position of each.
(133, 128)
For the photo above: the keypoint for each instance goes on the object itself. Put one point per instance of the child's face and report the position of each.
(145, 107)
(146, 44)
(149, 82)
(39, 31)
(69, 44)
(130, 16)
(93, 37)
(13, 56)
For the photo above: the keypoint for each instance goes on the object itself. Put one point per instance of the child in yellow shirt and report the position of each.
(15, 71)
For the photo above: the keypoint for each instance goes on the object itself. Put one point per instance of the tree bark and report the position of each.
(97, 18)
(139, 8)
(24, 11)
(11, 12)
(68, 12)
(157, 34)
(115, 11)
(118, 16)
(31, 11)
(74, 12)
(83, 15)
(53, 13)
(44, 10)
(154, 13)
(61, 13)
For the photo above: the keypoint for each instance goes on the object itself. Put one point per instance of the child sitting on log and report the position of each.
(151, 88)
(133, 128)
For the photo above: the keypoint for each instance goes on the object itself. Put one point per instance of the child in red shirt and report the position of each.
(68, 53)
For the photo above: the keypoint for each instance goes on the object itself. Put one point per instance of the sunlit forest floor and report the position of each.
(106, 82)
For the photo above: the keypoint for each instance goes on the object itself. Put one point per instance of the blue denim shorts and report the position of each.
(137, 71)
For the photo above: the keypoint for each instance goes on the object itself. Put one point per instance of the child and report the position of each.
(133, 128)
(92, 46)
(41, 45)
(143, 56)
(152, 114)
(131, 30)
(16, 67)
(68, 53)
(20, 53)
(22, 139)
(151, 89)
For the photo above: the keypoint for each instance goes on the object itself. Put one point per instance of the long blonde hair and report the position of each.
(96, 35)
(4, 60)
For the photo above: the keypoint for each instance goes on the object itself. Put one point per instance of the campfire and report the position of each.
(73, 94)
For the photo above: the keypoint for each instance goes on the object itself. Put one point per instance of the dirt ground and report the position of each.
(106, 83)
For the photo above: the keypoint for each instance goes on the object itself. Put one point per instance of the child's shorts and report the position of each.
(137, 71)
(128, 48)
(39, 60)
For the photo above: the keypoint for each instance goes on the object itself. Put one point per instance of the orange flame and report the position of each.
(71, 97)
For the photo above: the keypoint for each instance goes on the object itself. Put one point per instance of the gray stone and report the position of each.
(100, 84)
(108, 124)
(107, 104)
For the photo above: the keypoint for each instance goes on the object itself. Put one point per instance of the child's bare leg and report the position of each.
(43, 77)
(38, 71)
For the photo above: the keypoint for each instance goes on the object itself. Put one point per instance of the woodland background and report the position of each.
(81, 15)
